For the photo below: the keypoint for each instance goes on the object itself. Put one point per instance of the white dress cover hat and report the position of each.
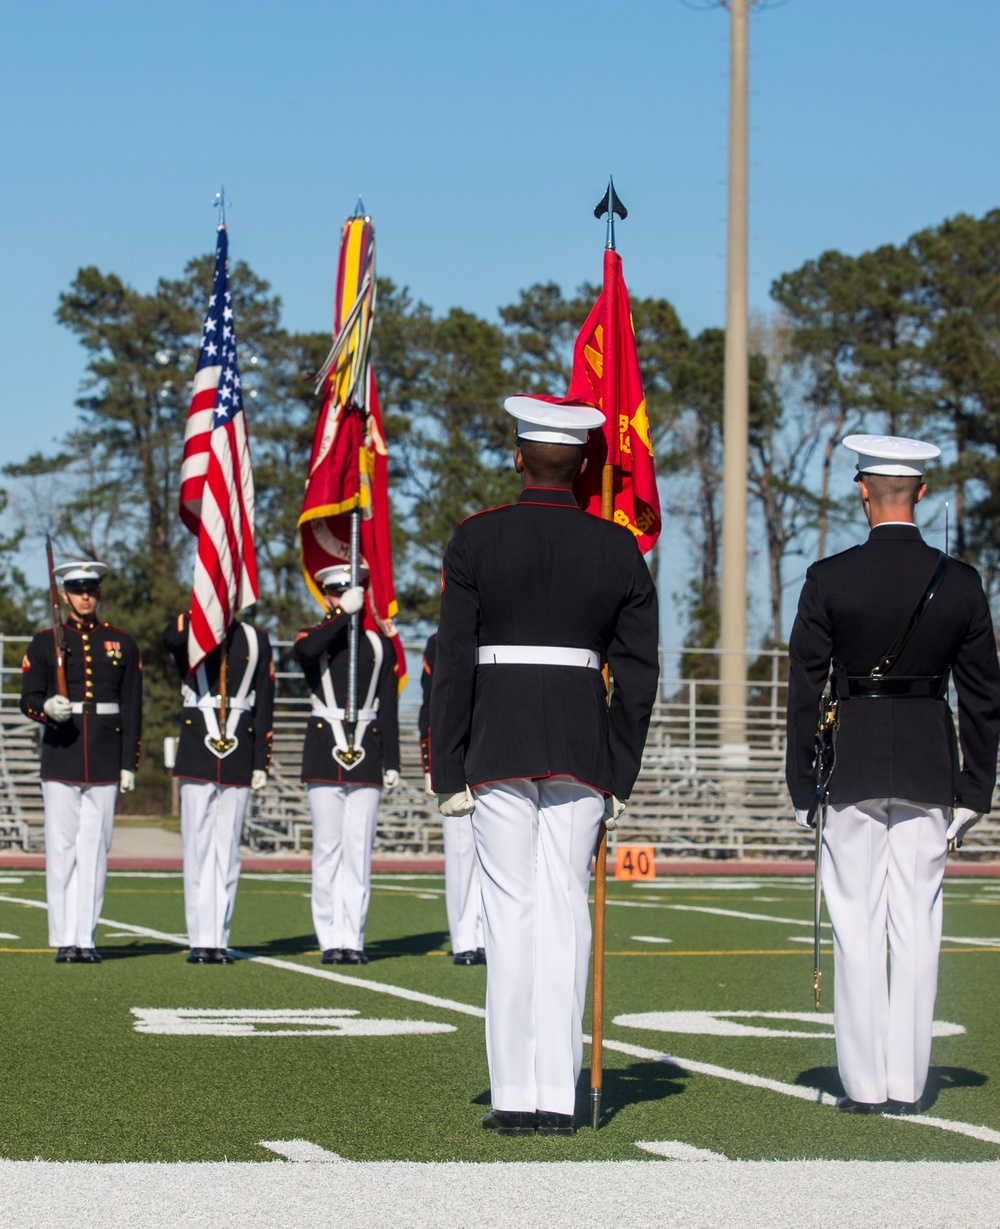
(549, 422)
(891, 454)
(81, 569)
(340, 574)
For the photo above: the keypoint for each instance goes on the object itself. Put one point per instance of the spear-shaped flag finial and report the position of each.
(220, 201)
(610, 204)
(359, 208)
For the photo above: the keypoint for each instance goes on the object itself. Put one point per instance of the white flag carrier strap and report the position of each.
(242, 702)
(329, 710)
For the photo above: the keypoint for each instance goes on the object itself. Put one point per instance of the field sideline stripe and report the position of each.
(693, 1066)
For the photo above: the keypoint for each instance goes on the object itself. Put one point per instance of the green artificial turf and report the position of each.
(80, 1083)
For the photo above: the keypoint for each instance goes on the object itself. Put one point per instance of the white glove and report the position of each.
(802, 819)
(427, 783)
(351, 600)
(390, 779)
(613, 808)
(455, 805)
(258, 779)
(58, 709)
(127, 784)
(964, 819)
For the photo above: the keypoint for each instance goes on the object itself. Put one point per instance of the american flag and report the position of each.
(216, 479)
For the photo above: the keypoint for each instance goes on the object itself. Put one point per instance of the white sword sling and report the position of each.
(242, 702)
(328, 709)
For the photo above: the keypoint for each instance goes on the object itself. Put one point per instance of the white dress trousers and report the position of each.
(462, 894)
(343, 819)
(882, 870)
(534, 841)
(79, 820)
(211, 826)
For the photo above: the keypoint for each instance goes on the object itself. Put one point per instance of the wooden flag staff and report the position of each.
(610, 204)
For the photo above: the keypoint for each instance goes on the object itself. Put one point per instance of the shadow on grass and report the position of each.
(384, 949)
(625, 1086)
(141, 948)
(407, 945)
(827, 1079)
(291, 945)
(622, 1087)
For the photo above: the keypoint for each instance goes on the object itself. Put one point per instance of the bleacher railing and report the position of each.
(696, 796)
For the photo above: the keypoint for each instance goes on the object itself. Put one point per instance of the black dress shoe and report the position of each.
(901, 1108)
(67, 955)
(848, 1106)
(549, 1123)
(199, 955)
(480, 955)
(348, 956)
(466, 958)
(332, 955)
(510, 1122)
(220, 955)
(88, 955)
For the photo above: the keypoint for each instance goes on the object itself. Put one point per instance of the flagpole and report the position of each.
(612, 205)
(359, 400)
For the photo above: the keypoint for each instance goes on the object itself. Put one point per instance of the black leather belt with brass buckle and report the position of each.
(874, 686)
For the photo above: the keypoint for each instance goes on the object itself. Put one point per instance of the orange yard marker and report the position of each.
(635, 862)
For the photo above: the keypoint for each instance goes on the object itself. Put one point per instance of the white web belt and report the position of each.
(101, 710)
(328, 709)
(536, 655)
(242, 702)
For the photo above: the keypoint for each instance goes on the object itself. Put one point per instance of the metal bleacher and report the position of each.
(696, 796)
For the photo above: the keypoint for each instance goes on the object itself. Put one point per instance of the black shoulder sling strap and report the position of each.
(887, 661)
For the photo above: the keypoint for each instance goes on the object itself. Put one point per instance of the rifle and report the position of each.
(826, 758)
(58, 631)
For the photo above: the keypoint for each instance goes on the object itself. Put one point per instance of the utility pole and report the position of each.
(735, 406)
(735, 418)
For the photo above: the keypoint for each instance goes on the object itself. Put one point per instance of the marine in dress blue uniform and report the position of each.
(902, 785)
(90, 750)
(536, 595)
(344, 796)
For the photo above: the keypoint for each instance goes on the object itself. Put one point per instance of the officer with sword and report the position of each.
(883, 626)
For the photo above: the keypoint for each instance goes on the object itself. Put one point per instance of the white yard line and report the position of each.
(302, 1151)
(674, 1150)
(751, 917)
(789, 921)
(799, 1092)
(411, 889)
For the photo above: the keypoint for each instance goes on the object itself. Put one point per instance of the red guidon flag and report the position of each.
(216, 501)
(625, 443)
(349, 465)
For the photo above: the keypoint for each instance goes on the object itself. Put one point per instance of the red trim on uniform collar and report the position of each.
(74, 620)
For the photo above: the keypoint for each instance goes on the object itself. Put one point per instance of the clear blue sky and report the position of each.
(480, 136)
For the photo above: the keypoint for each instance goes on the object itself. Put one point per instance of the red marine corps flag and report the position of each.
(606, 374)
(216, 501)
(620, 480)
(348, 480)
